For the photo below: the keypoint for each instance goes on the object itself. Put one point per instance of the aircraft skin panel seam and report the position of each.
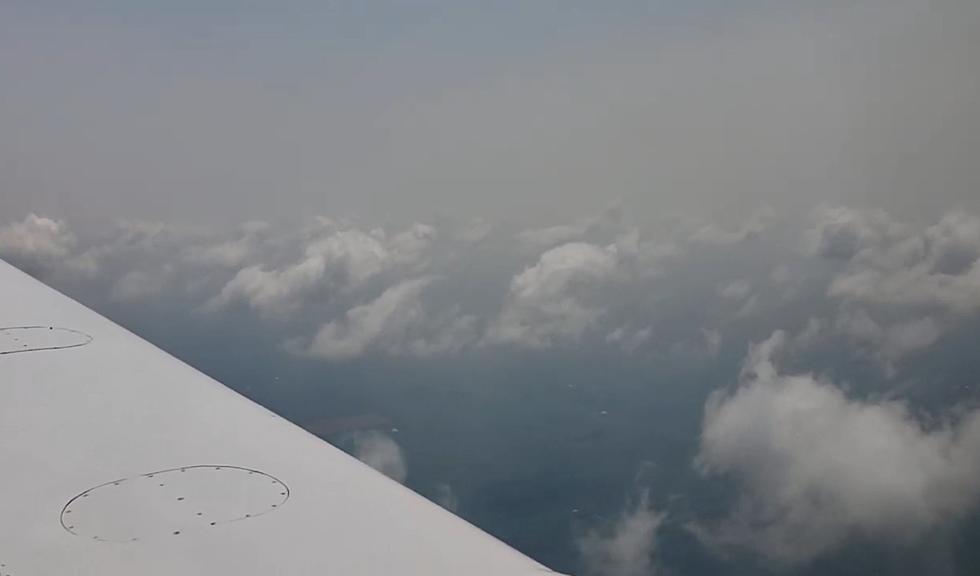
(84, 339)
(283, 490)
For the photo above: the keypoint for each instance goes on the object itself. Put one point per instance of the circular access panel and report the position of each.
(34, 338)
(172, 502)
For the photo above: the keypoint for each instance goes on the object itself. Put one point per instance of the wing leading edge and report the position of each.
(118, 459)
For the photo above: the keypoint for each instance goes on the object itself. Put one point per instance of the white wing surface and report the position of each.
(117, 459)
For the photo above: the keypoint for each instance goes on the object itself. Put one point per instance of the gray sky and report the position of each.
(544, 111)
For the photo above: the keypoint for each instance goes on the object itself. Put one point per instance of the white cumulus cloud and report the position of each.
(816, 467)
(397, 322)
(549, 301)
(36, 239)
(380, 452)
(893, 265)
(339, 261)
(626, 547)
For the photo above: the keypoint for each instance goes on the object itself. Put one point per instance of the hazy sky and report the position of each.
(233, 111)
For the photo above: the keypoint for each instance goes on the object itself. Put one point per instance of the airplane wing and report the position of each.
(118, 459)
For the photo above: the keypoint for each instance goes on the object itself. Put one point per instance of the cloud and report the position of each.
(233, 253)
(712, 234)
(334, 283)
(626, 547)
(39, 241)
(474, 231)
(552, 235)
(588, 282)
(889, 343)
(396, 322)
(601, 227)
(629, 338)
(705, 346)
(36, 240)
(736, 290)
(141, 248)
(843, 233)
(925, 281)
(815, 467)
(362, 288)
(953, 245)
(340, 290)
(138, 285)
(342, 260)
(380, 452)
(549, 302)
(446, 497)
(339, 260)
(893, 265)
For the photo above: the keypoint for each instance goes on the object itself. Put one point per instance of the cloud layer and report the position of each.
(340, 290)
(813, 461)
